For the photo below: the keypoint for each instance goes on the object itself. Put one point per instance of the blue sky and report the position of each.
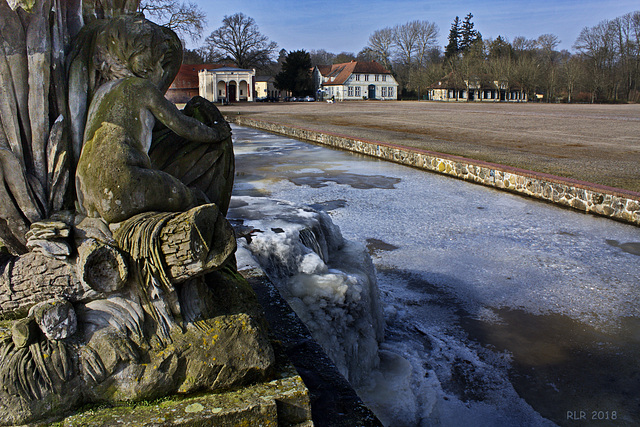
(345, 25)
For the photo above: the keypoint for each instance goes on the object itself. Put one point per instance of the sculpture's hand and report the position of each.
(199, 197)
(206, 112)
(224, 130)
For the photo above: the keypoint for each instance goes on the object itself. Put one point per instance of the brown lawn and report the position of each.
(594, 143)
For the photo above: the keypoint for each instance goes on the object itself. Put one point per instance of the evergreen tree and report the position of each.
(467, 34)
(296, 74)
(500, 49)
(452, 49)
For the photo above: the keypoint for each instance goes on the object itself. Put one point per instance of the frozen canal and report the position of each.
(500, 310)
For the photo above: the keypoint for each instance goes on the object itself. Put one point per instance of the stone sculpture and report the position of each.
(122, 287)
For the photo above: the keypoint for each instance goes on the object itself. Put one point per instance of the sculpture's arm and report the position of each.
(187, 127)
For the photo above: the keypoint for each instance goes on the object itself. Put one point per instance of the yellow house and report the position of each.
(265, 89)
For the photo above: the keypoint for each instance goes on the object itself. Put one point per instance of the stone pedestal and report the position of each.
(283, 401)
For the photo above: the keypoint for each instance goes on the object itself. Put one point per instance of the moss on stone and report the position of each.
(283, 401)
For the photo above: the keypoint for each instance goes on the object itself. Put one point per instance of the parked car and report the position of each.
(309, 99)
(267, 99)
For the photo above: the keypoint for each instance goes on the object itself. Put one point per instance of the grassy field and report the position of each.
(593, 143)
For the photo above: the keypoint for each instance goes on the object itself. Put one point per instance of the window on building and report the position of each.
(384, 92)
(377, 77)
(358, 93)
(390, 91)
(384, 78)
(350, 91)
(240, 92)
(357, 77)
(219, 92)
(366, 77)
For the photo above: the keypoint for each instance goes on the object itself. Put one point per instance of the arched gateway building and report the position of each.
(227, 84)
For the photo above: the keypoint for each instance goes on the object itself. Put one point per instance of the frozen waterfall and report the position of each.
(329, 282)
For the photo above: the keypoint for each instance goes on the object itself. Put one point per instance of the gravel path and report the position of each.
(593, 143)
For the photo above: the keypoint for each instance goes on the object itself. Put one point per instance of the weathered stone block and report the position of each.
(633, 206)
(578, 204)
(281, 402)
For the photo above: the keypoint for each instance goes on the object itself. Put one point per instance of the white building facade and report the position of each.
(355, 80)
(227, 84)
(476, 89)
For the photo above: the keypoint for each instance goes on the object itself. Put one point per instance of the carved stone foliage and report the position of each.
(117, 269)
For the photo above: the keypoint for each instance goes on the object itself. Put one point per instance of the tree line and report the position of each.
(604, 68)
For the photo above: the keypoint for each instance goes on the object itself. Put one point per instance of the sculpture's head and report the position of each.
(131, 45)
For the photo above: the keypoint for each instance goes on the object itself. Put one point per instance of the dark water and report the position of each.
(567, 370)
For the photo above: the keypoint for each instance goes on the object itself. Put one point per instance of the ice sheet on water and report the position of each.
(329, 282)
(472, 250)
(513, 253)
(430, 372)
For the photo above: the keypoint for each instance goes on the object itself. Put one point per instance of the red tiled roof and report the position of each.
(188, 75)
(324, 69)
(372, 67)
(341, 72)
(450, 81)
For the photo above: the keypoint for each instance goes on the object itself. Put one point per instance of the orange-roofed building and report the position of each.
(355, 80)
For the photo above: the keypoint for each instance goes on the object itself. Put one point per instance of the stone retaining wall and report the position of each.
(610, 202)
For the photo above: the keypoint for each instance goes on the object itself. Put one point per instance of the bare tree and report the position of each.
(427, 41)
(549, 59)
(343, 57)
(407, 37)
(240, 40)
(186, 19)
(597, 45)
(547, 42)
(626, 32)
(522, 44)
(572, 74)
(321, 57)
(381, 44)
(407, 49)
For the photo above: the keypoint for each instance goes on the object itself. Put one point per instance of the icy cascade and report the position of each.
(329, 282)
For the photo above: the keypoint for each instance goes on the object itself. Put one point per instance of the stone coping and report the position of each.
(614, 203)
